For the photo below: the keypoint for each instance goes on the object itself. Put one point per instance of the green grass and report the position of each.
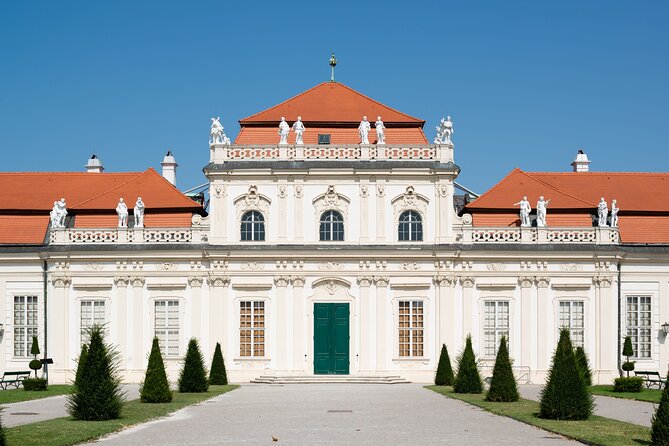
(18, 395)
(67, 431)
(596, 430)
(648, 395)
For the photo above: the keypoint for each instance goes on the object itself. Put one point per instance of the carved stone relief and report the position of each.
(331, 200)
(409, 200)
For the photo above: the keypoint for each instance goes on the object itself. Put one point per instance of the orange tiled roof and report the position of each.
(23, 229)
(269, 135)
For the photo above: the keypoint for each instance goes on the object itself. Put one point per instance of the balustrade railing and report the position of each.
(79, 236)
(596, 235)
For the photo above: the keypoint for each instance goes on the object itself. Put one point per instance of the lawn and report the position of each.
(649, 395)
(18, 395)
(67, 431)
(596, 430)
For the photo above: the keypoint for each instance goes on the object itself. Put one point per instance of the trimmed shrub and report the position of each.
(217, 374)
(659, 433)
(584, 365)
(97, 393)
(193, 377)
(80, 363)
(628, 351)
(565, 396)
(36, 384)
(503, 386)
(444, 375)
(468, 379)
(155, 388)
(35, 364)
(625, 384)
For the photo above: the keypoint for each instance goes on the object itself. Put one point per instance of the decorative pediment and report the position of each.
(331, 201)
(251, 201)
(409, 200)
(331, 284)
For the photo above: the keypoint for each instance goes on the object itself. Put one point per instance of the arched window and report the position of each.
(253, 227)
(332, 226)
(411, 227)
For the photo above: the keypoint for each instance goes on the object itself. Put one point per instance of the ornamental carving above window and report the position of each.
(331, 201)
(409, 200)
(252, 201)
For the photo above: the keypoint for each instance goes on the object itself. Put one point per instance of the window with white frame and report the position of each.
(252, 328)
(166, 325)
(92, 313)
(571, 318)
(25, 324)
(411, 328)
(496, 325)
(410, 227)
(639, 325)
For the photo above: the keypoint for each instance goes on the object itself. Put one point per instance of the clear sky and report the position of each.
(527, 83)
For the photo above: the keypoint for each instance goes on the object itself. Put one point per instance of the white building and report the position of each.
(333, 257)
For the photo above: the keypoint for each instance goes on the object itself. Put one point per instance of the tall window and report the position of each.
(253, 227)
(411, 329)
(332, 226)
(25, 324)
(92, 313)
(571, 318)
(639, 325)
(252, 328)
(496, 325)
(411, 227)
(166, 325)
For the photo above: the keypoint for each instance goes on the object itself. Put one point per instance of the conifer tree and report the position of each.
(628, 351)
(2, 434)
(97, 394)
(155, 388)
(660, 430)
(565, 396)
(468, 379)
(217, 374)
(444, 376)
(584, 365)
(35, 364)
(80, 363)
(503, 386)
(193, 377)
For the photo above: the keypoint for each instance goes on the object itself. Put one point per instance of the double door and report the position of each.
(331, 339)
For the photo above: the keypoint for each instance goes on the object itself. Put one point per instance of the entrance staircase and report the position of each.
(329, 379)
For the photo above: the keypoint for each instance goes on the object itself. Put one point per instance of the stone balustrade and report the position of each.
(81, 236)
(467, 234)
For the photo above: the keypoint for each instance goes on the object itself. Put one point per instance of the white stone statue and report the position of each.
(525, 210)
(444, 131)
(284, 129)
(541, 212)
(138, 212)
(380, 133)
(363, 130)
(602, 212)
(58, 214)
(217, 134)
(299, 130)
(614, 214)
(122, 211)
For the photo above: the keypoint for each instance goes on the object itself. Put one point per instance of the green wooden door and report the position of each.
(331, 339)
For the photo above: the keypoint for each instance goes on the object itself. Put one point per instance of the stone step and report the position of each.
(329, 379)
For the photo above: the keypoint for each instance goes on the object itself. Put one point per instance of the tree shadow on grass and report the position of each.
(639, 441)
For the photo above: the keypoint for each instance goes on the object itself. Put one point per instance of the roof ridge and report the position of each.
(110, 190)
(496, 185)
(558, 190)
(377, 102)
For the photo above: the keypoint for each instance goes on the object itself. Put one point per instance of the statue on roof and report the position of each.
(363, 130)
(58, 214)
(299, 130)
(217, 134)
(284, 129)
(602, 212)
(122, 211)
(444, 131)
(541, 212)
(380, 133)
(138, 212)
(525, 210)
(614, 214)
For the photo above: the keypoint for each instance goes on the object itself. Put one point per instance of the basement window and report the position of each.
(323, 139)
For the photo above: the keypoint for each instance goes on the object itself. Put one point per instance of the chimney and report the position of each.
(94, 165)
(170, 168)
(581, 163)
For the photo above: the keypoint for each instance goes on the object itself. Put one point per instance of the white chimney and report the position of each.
(170, 168)
(581, 163)
(94, 165)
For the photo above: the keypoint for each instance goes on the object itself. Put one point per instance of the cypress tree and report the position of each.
(193, 377)
(155, 388)
(584, 365)
(444, 376)
(468, 379)
(565, 396)
(97, 395)
(80, 363)
(628, 351)
(503, 386)
(218, 375)
(660, 430)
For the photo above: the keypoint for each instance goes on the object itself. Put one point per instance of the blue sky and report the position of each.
(527, 83)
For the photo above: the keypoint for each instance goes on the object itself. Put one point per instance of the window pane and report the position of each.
(639, 324)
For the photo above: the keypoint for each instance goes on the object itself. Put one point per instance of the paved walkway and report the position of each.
(341, 414)
(637, 412)
(26, 412)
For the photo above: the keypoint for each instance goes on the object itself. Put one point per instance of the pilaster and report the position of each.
(381, 285)
(299, 321)
(366, 330)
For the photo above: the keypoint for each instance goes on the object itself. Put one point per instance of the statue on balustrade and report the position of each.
(525, 210)
(602, 212)
(138, 212)
(541, 212)
(444, 131)
(284, 129)
(380, 133)
(122, 211)
(299, 130)
(58, 214)
(614, 214)
(217, 134)
(363, 130)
